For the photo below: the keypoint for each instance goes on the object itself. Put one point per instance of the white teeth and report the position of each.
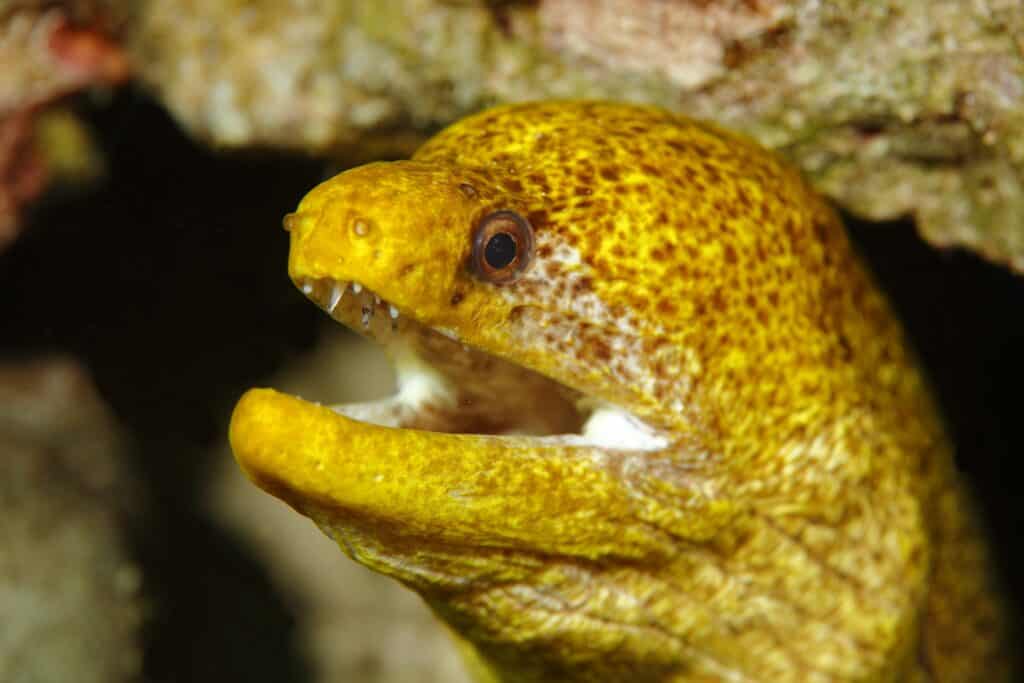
(338, 290)
(336, 293)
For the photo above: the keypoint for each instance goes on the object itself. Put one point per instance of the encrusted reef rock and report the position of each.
(892, 108)
(69, 591)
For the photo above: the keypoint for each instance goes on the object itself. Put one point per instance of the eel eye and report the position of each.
(502, 246)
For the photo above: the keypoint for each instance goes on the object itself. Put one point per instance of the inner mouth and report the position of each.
(446, 385)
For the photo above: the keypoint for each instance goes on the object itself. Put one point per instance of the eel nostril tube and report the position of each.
(290, 221)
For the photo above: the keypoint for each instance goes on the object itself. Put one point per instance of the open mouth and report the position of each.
(445, 385)
(473, 456)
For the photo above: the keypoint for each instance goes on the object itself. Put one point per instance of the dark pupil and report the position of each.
(500, 250)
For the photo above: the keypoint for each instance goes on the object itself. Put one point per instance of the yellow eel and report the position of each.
(654, 419)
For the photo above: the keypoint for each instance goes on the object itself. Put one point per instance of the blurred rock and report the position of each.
(69, 592)
(355, 625)
(46, 53)
(892, 108)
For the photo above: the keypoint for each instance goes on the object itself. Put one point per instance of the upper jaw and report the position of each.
(445, 385)
(350, 303)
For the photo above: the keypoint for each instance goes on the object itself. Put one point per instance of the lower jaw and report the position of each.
(547, 494)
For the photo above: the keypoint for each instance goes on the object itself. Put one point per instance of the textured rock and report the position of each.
(69, 592)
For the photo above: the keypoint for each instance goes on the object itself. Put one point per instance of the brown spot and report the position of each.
(821, 230)
(666, 307)
(467, 190)
(730, 254)
(609, 173)
(538, 219)
(679, 146)
(583, 191)
(743, 198)
(600, 348)
(702, 150)
(791, 228)
(845, 348)
(457, 298)
(513, 185)
(718, 300)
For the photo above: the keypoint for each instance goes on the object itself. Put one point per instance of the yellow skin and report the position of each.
(794, 513)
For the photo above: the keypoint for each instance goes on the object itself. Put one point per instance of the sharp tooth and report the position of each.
(336, 293)
(393, 311)
(376, 300)
(307, 288)
(367, 314)
(356, 287)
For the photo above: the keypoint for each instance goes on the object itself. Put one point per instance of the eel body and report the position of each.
(654, 420)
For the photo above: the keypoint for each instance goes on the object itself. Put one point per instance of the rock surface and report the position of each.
(69, 591)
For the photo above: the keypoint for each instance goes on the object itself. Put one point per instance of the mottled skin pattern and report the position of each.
(805, 521)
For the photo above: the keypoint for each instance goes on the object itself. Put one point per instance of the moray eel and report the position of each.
(654, 420)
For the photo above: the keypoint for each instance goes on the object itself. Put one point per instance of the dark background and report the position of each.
(168, 280)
